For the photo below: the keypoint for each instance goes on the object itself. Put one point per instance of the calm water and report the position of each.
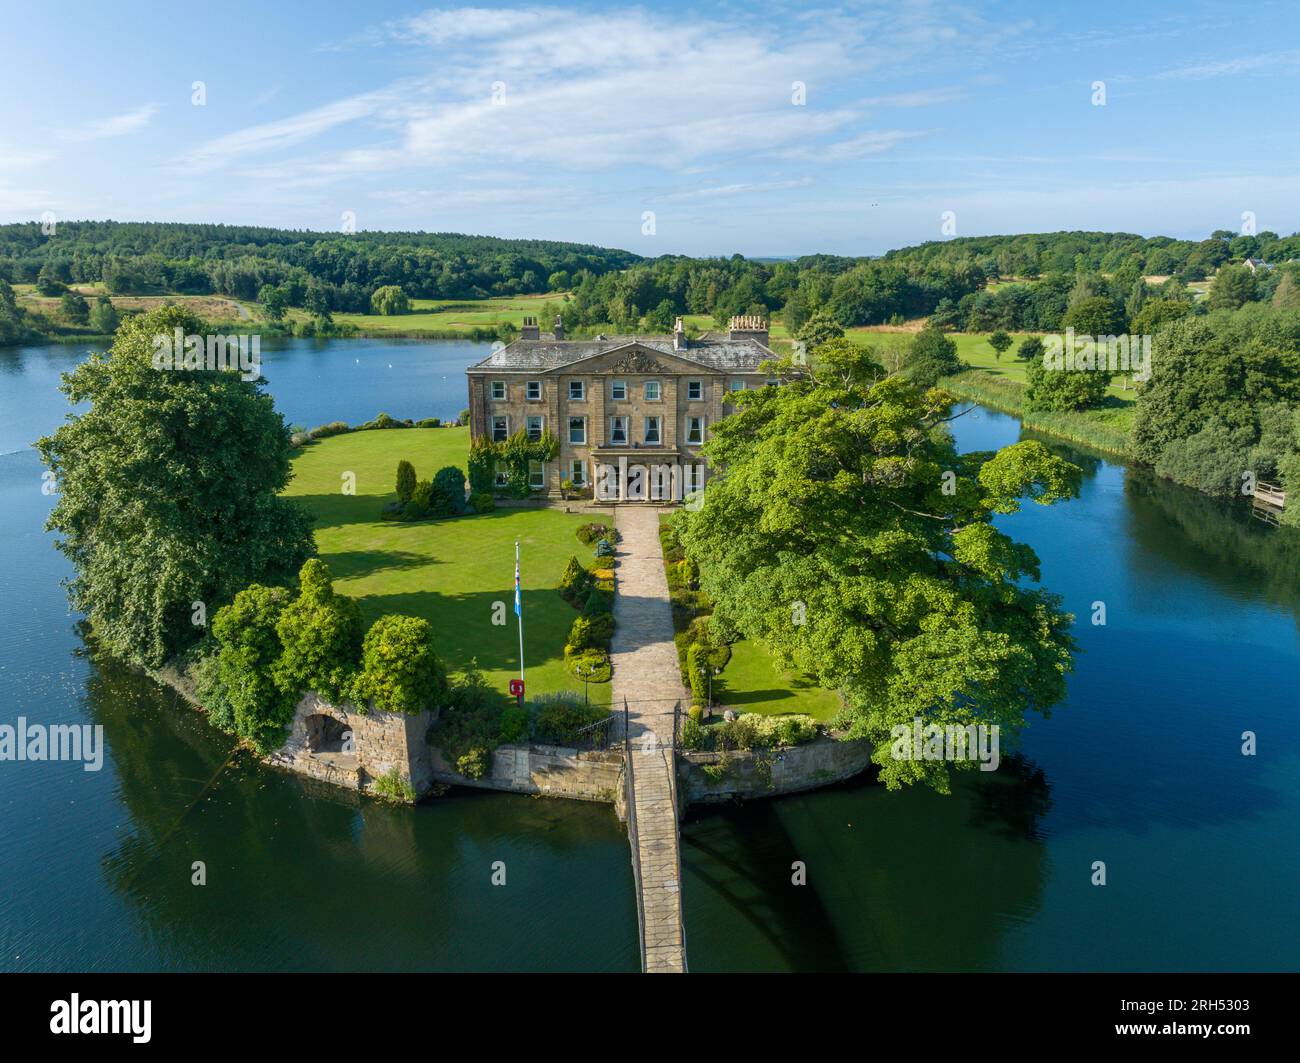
(1141, 768)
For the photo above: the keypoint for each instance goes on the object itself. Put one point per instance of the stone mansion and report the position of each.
(616, 403)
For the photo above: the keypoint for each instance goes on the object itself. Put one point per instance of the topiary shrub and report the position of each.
(482, 503)
(575, 582)
(447, 492)
(405, 481)
(588, 533)
(604, 548)
(400, 669)
(590, 666)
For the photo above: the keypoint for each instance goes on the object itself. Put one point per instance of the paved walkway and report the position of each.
(647, 674)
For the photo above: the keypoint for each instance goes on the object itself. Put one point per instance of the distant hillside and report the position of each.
(1035, 254)
(237, 260)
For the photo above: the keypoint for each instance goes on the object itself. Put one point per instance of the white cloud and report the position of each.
(115, 126)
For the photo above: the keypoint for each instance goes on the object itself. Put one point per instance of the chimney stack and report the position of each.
(679, 336)
(559, 327)
(530, 329)
(748, 327)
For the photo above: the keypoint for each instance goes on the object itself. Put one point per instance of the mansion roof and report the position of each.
(718, 353)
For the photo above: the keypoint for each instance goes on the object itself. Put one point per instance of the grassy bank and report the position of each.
(1105, 429)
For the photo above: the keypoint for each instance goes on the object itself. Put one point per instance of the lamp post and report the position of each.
(584, 673)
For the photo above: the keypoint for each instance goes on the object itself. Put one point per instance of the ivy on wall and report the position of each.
(513, 455)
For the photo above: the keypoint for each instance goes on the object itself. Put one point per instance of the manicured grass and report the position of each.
(751, 682)
(451, 572)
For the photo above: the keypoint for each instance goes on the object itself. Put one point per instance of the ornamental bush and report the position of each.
(405, 481)
(447, 493)
(559, 717)
(400, 669)
(575, 583)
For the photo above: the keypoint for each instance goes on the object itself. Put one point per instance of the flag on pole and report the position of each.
(518, 603)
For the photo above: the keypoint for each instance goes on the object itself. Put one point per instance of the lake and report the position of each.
(1140, 768)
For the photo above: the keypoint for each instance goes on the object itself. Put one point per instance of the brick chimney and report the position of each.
(679, 336)
(559, 327)
(748, 327)
(530, 330)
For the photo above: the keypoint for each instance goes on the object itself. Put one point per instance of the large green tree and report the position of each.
(842, 490)
(168, 492)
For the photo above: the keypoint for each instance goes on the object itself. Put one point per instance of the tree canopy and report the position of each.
(168, 492)
(843, 491)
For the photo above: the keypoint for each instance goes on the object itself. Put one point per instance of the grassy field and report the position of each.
(212, 307)
(448, 315)
(751, 682)
(451, 572)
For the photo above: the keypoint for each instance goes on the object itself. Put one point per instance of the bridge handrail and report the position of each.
(633, 837)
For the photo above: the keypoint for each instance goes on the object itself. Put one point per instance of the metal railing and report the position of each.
(633, 838)
(677, 819)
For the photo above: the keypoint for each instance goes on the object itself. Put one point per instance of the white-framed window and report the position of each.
(500, 428)
(535, 425)
(618, 430)
(618, 390)
(577, 430)
(498, 390)
(695, 429)
(737, 384)
(651, 436)
(502, 478)
(695, 390)
(536, 475)
(694, 478)
(578, 473)
(577, 390)
(533, 391)
(653, 391)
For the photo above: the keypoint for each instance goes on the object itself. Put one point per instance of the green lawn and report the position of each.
(450, 315)
(451, 571)
(751, 682)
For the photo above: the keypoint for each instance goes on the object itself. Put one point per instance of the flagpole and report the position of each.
(519, 612)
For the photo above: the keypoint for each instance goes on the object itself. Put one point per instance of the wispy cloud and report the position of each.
(1245, 64)
(115, 126)
(578, 90)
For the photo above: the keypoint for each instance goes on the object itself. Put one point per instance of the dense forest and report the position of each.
(147, 257)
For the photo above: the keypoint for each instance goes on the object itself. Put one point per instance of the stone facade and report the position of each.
(617, 403)
(339, 745)
(770, 774)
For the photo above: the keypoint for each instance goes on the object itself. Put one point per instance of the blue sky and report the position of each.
(570, 121)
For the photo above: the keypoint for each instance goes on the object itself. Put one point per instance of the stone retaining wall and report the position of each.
(552, 771)
(771, 773)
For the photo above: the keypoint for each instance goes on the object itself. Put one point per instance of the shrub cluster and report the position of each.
(586, 653)
(750, 730)
(270, 646)
(443, 496)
